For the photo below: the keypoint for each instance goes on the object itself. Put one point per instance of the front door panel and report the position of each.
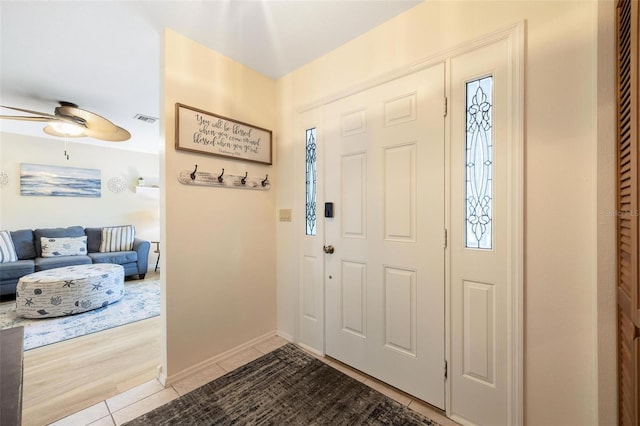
(384, 171)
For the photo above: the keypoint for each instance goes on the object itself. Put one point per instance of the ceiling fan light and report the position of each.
(68, 129)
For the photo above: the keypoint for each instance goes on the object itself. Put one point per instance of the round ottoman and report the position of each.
(69, 290)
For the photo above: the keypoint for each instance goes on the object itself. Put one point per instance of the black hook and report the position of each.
(265, 181)
(220, 177)
(244, 179)
(193, 173)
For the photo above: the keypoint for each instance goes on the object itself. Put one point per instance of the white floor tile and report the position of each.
(271, 344)
(105, 421)
(84, 417)
(133, 395)
(240, 359)
(144, 406)
(198, 379)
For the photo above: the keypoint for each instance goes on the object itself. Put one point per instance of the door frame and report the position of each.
(515, 36)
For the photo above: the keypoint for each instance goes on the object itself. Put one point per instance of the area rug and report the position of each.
(284, 387)
(140, 301)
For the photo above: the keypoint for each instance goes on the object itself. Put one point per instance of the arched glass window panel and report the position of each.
(479, 164)
(311, 181)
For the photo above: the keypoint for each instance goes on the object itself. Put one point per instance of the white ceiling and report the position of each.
(104, 55)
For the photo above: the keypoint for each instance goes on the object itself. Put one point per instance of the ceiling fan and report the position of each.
(68, 120)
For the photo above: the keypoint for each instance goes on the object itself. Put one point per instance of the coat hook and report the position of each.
(265, 181)
(220, 177)
(193, 173)
(244, 179)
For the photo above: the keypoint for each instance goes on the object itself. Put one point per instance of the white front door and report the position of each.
(384, 283)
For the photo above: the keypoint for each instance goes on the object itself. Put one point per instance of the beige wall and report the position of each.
(561, 145)
(219, 274)
(606, 318)
(127, 207)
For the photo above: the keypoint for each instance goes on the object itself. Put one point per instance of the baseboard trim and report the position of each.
(285, 336)
(169, 380)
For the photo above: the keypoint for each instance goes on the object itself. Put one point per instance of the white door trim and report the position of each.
(515, 35)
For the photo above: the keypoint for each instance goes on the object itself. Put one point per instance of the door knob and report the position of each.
(328, 249)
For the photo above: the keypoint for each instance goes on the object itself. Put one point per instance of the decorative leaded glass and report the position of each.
(479, 164)
(311, 181)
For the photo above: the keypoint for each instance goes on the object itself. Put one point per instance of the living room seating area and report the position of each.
(25, 251)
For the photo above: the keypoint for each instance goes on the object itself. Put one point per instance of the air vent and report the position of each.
(145, 118)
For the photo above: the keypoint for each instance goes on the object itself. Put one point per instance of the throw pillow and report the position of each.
(7, 250)
(63, 246)
(117, 238)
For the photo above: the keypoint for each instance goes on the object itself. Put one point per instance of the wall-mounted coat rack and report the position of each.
(195, 177)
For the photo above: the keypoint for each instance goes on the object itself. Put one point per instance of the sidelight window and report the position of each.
(479, 164)
(311, 181)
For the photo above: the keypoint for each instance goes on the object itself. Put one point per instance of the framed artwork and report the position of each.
(59, 181)
(207, 133)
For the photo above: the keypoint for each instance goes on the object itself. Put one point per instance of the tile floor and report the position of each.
(139, 400)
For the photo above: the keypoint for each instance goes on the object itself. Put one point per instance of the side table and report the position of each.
(157, 250)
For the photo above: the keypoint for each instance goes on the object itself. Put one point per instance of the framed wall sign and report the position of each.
(207, 133)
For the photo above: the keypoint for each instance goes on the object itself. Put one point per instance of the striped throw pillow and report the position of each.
(117, 238)
(7, 249)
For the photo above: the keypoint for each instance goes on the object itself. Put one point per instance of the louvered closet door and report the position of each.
(628, 212)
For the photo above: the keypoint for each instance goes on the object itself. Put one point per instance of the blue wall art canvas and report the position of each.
(58, 181)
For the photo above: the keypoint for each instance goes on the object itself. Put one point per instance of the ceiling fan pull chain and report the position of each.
(65, 147)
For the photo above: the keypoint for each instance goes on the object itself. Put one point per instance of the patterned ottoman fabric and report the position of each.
(69, 290)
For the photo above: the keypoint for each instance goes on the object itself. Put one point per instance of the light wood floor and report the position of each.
(66, 377)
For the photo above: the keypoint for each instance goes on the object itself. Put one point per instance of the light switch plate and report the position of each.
(285, 215)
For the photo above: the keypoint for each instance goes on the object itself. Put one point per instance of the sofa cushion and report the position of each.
(94, 238)
(16, 269)
(23, 242)
(72, 231)
(117, 257)
(117, 238)
(65, 246)
(43, 263)
(7, 250)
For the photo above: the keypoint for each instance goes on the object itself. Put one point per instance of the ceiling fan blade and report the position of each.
(29, 111)
(118, 135)
(89, 119)
(24, 118)
(96, 126)
(92, 125)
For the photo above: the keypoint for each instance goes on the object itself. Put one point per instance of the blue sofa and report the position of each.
(29, 251)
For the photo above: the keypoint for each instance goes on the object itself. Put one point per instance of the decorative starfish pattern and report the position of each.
(69, 290)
